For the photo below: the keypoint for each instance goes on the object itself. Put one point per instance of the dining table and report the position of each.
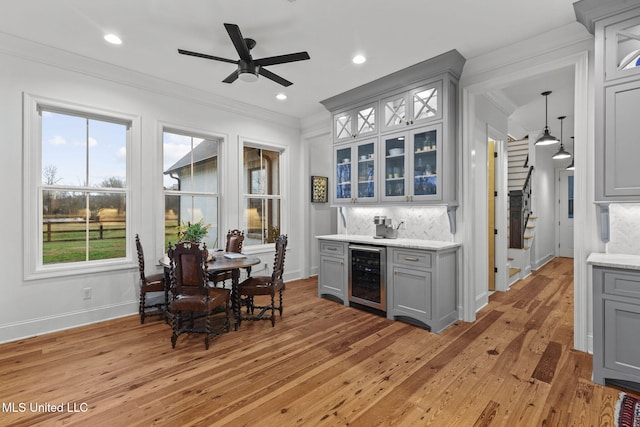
(220, 261)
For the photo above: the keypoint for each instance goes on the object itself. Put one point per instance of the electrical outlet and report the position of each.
(86, 293)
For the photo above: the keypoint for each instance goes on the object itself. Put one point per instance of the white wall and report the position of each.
(543, 202)
(322, 217)
(38, 306)
(487, 114)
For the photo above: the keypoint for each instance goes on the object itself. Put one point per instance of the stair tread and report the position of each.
(513, 271)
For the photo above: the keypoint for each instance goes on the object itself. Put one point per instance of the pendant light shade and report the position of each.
(561, 154)
(571, 167)
(546, 138)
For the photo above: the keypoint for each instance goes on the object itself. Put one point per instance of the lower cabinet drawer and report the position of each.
(332, 248)
(411, 258)
(623, 283)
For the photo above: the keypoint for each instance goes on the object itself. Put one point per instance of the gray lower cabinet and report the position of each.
(422, 287)
(616, 326)
(332, 275)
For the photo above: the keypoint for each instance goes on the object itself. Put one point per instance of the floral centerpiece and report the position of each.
(188, 232)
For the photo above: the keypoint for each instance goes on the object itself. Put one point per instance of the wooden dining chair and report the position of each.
(235, 239)
(154, 283)
(192, 296)
(265, 285)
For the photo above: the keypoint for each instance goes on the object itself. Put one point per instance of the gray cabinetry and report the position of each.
(620, 151)
(616, 326)
(422, 287)
(355, 122)
(419, 101)
(616, 26)
(332, 275)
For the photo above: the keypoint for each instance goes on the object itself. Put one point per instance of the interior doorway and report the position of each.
(491, 213)
(565, 213)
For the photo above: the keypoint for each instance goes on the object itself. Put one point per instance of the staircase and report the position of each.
(519, 186)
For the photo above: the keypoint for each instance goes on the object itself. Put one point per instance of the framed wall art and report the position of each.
(319, 188)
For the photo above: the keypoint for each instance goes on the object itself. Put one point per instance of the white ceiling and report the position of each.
(392, 34)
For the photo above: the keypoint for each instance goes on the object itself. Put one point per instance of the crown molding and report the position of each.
(65, 60)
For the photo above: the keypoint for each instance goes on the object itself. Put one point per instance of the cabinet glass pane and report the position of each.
(343, 126)
(395, 112)
(628, 51)
(425, 178)
(366, 171)
(343, 173)
(366, 120)
(394, 152)
(425, 104)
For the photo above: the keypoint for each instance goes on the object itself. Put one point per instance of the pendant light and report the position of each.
(546, 138)
(571, 166)
(561, 154)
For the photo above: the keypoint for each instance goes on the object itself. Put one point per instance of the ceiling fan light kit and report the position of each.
(546, 138)
(249, 69)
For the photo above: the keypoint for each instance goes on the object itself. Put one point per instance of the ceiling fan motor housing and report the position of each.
(248, 71)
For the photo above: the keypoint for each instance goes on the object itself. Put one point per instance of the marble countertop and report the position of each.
(396, 243)
(631, 262)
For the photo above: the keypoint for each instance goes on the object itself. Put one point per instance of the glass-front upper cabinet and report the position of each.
(622, 49)
(395, 167)
(355, 123)
(413, 107)
(412, 161)
(356, 174)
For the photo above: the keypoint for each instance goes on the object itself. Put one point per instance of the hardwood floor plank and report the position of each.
(323, 364)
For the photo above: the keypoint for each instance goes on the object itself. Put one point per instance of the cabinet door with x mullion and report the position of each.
(355, 123)
(412, 108)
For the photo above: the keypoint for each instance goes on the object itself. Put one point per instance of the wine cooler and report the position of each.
(367, 276)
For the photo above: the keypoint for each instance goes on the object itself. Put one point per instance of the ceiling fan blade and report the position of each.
(238, 41)
(282, 59)
(205, 56)
(231, 77)
(276, 78)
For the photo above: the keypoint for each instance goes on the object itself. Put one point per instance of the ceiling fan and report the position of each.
(249, 68)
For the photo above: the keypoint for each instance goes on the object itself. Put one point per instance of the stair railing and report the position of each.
(519, 212)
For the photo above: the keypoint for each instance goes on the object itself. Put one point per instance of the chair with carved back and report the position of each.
(192, 296)
(265, 285)
(153, 283)
(235, 238)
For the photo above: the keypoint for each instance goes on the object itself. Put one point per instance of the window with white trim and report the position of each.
(79, 191)
(190, 177)
(262, 194)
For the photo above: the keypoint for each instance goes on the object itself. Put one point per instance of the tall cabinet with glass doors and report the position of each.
(395, 142)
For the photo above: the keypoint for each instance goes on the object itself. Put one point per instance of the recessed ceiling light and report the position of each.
(113, 39)
(359, 59)
(281, 96)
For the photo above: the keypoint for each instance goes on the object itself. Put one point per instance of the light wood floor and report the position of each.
(322, 364)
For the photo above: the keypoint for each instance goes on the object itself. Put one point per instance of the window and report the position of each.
(190, 169)
(570, 197)
(76, 172)
(262, 195)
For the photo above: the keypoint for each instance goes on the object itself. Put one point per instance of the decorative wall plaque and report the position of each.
(319, 185)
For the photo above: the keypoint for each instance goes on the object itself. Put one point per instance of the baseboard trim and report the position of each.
(45, 325)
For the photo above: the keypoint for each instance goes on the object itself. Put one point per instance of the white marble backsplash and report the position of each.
(624, 228)
(423, 223)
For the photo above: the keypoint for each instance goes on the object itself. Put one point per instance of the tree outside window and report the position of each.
(83, 190)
